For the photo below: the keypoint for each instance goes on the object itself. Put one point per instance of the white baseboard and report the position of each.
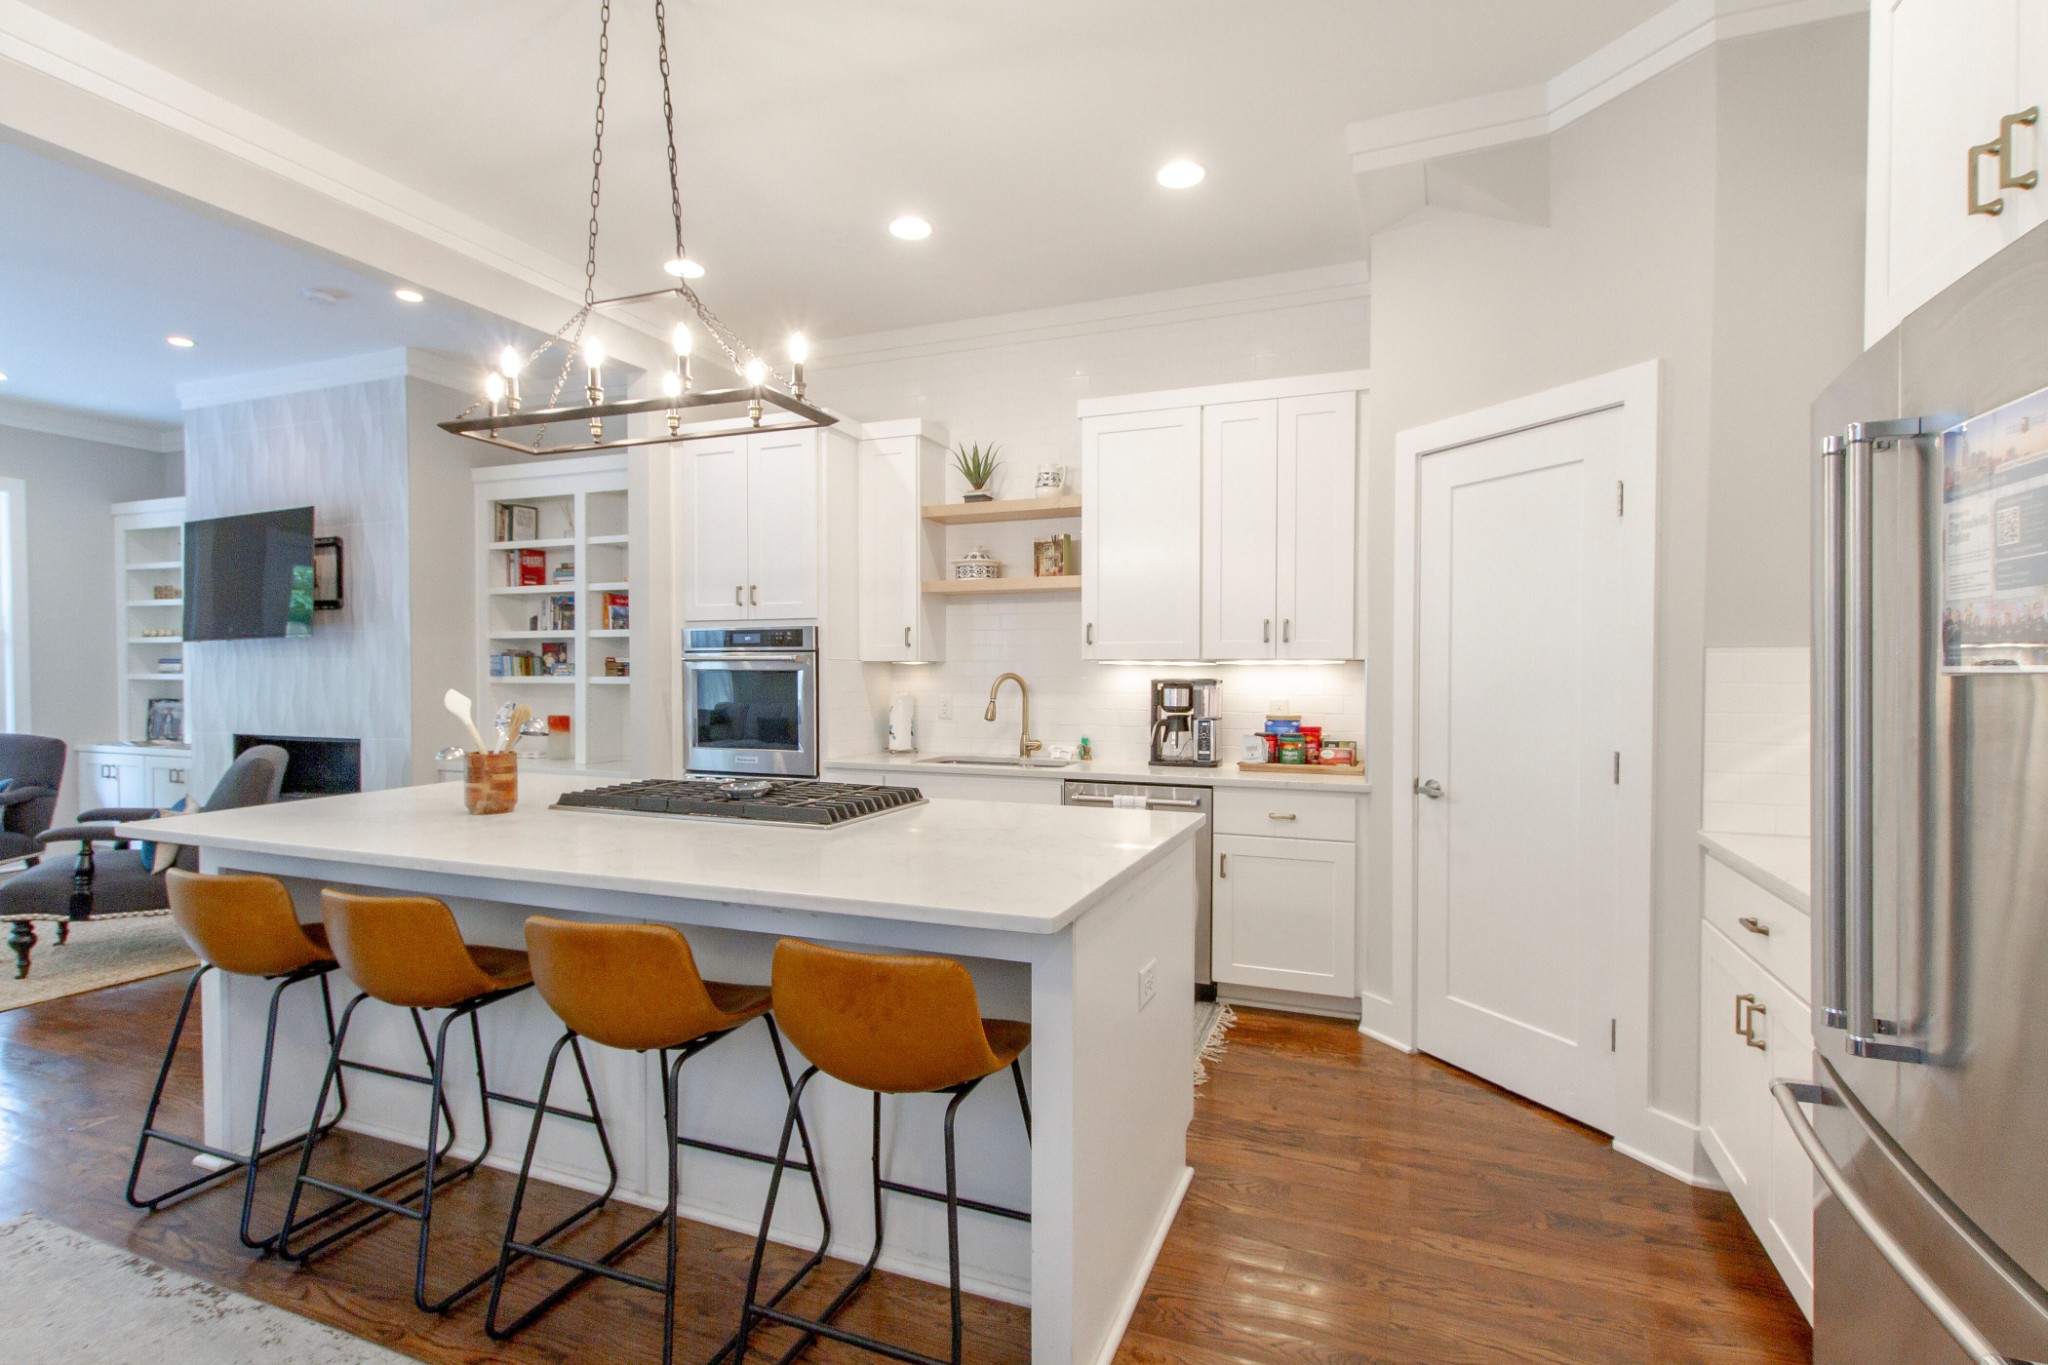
(1135, 1290)
(1387, 1040)
(1380, 1021)
(1293, 1002)
(1670, 1144)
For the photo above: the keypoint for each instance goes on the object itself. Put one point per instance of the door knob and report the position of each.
(1432, 789)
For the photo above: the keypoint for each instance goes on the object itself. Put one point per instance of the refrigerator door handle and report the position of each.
(1790, 1095)
(1831, 924)
(1867, 1032)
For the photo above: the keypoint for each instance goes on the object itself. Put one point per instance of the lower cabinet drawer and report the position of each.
(1268, 814)
(1776, 934)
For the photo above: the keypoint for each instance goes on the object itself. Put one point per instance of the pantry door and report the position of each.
(1518, 553)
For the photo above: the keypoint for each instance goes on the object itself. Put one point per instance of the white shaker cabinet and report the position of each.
(1949, 80)
(1754, 1028)
(1141, 543)
(1241, 530)
(1286, 892)
(751, 535)
(902, 469)
(1318, 537)
(125, 775)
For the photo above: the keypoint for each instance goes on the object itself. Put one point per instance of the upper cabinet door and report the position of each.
(1141, 535)
(1240, 530)
(1943, 74)
(889, 533)
(1318, 548)
(715, 539)
(782, 525)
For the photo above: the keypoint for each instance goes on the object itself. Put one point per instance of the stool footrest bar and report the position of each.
(939, 1197)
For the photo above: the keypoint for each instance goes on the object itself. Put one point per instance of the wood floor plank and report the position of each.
(1351, 1206)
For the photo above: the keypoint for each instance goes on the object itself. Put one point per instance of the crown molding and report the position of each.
(1229, 298)
(23, 415)
(1651, 48)
(396, 363)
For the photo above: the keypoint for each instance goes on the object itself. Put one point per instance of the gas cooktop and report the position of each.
(778, 801)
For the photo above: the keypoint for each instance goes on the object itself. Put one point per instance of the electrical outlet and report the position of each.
(1148, 982)
(945, 707)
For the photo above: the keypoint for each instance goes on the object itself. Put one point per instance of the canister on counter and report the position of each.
(1293, 749)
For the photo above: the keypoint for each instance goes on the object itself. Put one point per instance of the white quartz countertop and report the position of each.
(970, 864)
(1107, 770)
(1781, 864)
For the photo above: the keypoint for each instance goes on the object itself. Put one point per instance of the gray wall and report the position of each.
(1711, 220)
(73, 692)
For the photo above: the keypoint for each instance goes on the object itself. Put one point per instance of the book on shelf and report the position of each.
(515, 521)
(527, 568)
(616, 615)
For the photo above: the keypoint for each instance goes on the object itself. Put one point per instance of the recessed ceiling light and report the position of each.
(182, 343)
(683, 268)
(910, 229)
(3, 379)
(1181, 175)
(410, 296)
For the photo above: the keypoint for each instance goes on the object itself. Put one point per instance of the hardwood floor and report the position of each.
(1350, 1205)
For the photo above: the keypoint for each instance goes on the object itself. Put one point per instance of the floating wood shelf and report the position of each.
(1006, 509)
(991, 587)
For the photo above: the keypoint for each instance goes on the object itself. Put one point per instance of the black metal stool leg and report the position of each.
(748, 1307)
(156, 1096)
(953, 1219)
(432, 1177)
(1023, 1099)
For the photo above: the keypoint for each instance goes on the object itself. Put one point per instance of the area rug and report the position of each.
(98, 955)
(81, 1302)
(1213, 1019)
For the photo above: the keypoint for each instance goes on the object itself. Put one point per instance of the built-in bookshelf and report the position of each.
(149, 616)
(555, 602)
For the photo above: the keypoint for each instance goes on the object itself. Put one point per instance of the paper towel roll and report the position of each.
(903, 724)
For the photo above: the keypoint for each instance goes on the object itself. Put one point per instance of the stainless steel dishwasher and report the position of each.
(1158, 796)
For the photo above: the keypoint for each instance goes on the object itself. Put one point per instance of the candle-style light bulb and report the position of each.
(757, 373)
(682, 339)
(672, 388)
(593, 360)
(509, 365)
(494, 389)
(799, 352)
(682, 342)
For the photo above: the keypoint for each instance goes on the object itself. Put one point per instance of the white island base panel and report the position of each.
(1110, 1084)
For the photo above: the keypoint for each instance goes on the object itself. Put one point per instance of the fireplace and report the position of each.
(318, 767)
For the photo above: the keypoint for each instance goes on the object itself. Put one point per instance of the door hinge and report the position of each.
(1620, 497)
(1612, 1031)
(1617, 767)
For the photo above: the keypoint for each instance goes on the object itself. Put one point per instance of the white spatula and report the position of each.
(464, 710)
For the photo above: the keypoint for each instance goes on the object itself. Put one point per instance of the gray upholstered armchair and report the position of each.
(109, 880)
(34, 769)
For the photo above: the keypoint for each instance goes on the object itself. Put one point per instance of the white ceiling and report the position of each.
(94, 275)
(1027, 133)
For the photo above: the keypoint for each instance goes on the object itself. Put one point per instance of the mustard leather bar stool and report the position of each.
(894, 1026)
(406, 952)
(636, 987)
(245, 926)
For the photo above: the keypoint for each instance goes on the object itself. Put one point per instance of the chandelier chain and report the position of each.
(668, 115)
(604, 51)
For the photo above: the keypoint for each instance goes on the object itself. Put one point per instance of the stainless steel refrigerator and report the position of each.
(1927, 1112)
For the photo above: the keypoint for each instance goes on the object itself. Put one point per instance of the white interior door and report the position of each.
(1518, 545)
(1240, 530)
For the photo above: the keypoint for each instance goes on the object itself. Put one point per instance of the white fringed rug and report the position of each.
(1213, 1019)
(81, 1302)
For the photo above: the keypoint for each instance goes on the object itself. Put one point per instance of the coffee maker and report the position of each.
(1185, 718)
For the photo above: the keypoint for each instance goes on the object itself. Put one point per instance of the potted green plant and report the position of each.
(978, 467)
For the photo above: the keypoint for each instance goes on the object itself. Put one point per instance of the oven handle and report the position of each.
(777, 661)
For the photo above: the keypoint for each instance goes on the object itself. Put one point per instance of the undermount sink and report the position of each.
(999, 761)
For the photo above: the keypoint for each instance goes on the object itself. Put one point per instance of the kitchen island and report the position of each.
(1081, 921)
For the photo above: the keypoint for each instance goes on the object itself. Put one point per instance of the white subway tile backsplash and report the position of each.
(1757, 729)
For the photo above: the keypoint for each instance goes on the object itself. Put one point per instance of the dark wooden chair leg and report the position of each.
(23, 940)
(63, 931)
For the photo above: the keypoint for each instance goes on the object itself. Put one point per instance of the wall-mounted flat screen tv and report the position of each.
(249, 577)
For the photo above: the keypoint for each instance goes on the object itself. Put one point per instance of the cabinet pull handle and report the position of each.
(753, 595)
(1755, 926)
(1740, 1001)
(1266, 632)
(1989, 207)
(1287, 631)
(1281, 815)
(906, 637)
(739, 595)
(1749, 1027)
(1223, 867)
(1091, 632)
(2006, 179)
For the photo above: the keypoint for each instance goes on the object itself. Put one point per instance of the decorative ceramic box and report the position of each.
(977, 563)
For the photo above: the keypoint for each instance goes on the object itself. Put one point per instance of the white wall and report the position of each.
(73, 690)
(1687, 223)
(441, 605)
(1015, 381)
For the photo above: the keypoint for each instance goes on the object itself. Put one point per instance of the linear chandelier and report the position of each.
(504, 421)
